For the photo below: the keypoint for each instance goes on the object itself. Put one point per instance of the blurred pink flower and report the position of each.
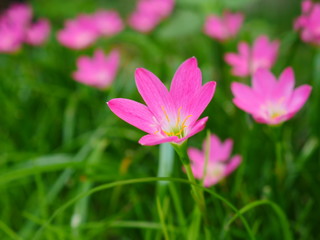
(309, 22)
(149, 13)
(270, 101)
(38, 32)
(78, 33)
(99, 71)
(19, 13)
(170, 116)
(262, 55)
(143, 22)
(158, 8)
(11, 36)
(219, 164)
(224, 27)
(107, 23)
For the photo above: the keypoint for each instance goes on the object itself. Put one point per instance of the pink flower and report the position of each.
(225, 27)
(19, 13)
(270, 101)
(219, 164)
(98, 71)
(308, 23)
(11, 36)
(149, 13)
(38, 32)
(170, 116)
(159, 8)
(262, 55)
(143, 22)
(107, 23)
(78, 33)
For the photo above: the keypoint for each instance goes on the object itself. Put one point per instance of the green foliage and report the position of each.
(70, 169)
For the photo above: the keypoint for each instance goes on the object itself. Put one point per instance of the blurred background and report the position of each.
(58, 139)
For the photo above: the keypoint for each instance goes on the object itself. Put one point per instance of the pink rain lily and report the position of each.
(224, 27)
(19, 13)
(219, 163)
(38, 32)
(309, 22)
(78, 33)
(168, 116)
(149, 13)
(158, 8)
(143, 22)
(11, 36)
(99, 71)
(262, 55)
(270, 101)
(107, 23)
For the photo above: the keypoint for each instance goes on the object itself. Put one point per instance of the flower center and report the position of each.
(273, 110)
(174, 125)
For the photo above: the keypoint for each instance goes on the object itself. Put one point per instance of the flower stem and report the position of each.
(196, 193)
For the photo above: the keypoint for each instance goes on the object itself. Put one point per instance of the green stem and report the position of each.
(196, 193)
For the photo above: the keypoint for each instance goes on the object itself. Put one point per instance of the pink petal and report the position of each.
(195, 155)
(215, 28)
(200, 101)
(233, 22)
(197, 127)
(264, 82)
(285, 85)
(225, 150)
(186, 81)
(233, 164)
(133, 113)
(245, 98)
(152, 139)
(299, 97)
(154, 93)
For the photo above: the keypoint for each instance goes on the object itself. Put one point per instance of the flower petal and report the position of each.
(186, 81)
(233, 164)
(133, 113)
(245, 98)
(195, 155)
(263, 82)
(299, 97)
(153, 139)
(154, 93)
(285, 85)
(200, 101)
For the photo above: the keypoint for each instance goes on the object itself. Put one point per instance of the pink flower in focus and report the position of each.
(149, 13)
(225, 27)
(270, 101)
(170, 116)
(219, 164)
(99, 71)
(11, 36)
(107, 23)
(38, 32)
(309, 22)
(78, 33)
(262, 55)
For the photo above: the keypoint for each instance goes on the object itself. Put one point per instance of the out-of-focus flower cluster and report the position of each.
(17, 27)
(85, 29)
(309, 22)
(149, 13)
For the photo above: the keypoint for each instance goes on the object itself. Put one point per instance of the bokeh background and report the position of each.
(58, 139)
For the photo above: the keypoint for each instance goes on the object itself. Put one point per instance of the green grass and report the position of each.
(70, 169)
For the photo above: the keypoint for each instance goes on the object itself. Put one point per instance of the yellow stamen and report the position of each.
(165, 113)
